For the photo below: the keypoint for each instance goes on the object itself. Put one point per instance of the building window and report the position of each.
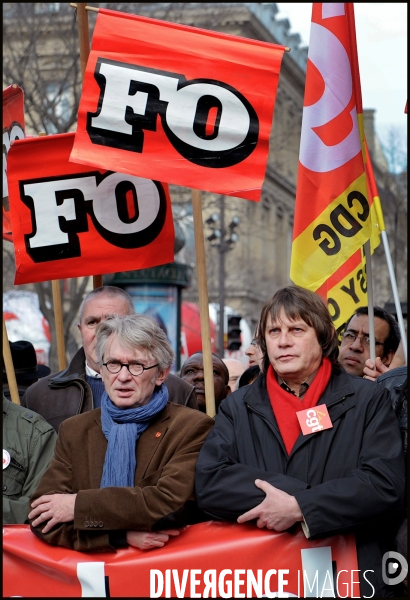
(58, 105)
(42, 8)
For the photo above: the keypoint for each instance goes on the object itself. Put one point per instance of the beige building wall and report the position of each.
(258, 264)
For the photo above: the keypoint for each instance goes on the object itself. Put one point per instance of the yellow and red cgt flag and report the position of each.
(13, 129)
(334, 211)
(184, 105)
(346, 289)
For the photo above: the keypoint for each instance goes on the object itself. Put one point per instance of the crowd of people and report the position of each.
(117, 429)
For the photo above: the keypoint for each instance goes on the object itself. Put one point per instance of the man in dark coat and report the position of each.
(26, 369)
(342, 475)
(79, 387)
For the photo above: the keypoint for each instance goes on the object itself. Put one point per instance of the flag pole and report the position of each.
(84, 38)
(370, 305)
(58, 315)
(390, 267)
(58, 318)
(372, 187)
(203, 303)
(8, 363)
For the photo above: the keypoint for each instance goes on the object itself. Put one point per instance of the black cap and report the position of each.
(25, 362)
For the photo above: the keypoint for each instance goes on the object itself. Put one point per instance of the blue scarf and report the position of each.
(122, 428)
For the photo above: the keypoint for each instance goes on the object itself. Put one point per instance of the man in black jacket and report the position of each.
(343, 473)
(79, 387)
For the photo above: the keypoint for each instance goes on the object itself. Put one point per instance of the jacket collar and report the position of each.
(339, 387)
(337, 397)
(76, 368)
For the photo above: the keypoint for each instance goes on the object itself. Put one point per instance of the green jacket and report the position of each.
(29, 441)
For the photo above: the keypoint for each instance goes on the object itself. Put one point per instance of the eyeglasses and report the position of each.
(115, 366)
(351, 337)
(254, 343)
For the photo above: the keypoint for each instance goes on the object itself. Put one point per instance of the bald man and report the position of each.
(235, 368)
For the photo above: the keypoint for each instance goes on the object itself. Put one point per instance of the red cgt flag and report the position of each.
(13, 129)
(184, 105)
(346, 288)
(75, 220)
(334, 213)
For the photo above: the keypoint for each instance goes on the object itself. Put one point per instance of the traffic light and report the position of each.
(234, 332)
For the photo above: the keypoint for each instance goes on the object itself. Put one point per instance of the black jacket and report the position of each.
(67, 393)
(395, 381)
(349, 478)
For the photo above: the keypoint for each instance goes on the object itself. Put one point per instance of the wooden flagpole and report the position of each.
(8, 363)
(199, 246)
(84, 37)
(203, 303)
(58, 316)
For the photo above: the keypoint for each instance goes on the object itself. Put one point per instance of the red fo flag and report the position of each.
(184, 105)
(75, 220)
(13, 129)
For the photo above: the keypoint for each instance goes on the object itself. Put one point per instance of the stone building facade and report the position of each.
(258, 263)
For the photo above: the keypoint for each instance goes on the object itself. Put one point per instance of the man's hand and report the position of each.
(147, 540)
(373, 369)
(278, 511)
(55, 508)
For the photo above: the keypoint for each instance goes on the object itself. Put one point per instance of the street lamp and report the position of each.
(225, 239)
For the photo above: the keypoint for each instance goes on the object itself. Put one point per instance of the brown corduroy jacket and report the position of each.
(163, 495)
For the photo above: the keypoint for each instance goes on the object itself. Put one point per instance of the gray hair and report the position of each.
(136, 331)
(111, 291)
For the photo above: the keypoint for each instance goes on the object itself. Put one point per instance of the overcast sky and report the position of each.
(381, 33)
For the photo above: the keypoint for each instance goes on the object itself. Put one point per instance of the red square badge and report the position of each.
(314, 419)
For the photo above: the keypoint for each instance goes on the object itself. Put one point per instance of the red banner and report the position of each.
(70, 220)
(206, 560)
(184, 105)
(13, 129)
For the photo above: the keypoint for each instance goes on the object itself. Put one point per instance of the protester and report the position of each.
(249, 376)
(235, 368)
(193, 372)
(25, 365)
(253, 352)
(79, 388)
(372, 370)
(355, 345)
(123, 473)
(342, 476)
(395, 380)
(28, 446)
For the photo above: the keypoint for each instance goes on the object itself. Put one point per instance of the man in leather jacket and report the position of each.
(79, 387)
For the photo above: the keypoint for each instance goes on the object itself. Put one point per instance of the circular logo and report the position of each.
(6, 459)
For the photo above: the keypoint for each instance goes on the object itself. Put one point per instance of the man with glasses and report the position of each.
(123, 474)
(355, 345)
(79, 387)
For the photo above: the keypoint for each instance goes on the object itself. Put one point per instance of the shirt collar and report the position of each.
(303, 386)
(302, 390)
(91, 373)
